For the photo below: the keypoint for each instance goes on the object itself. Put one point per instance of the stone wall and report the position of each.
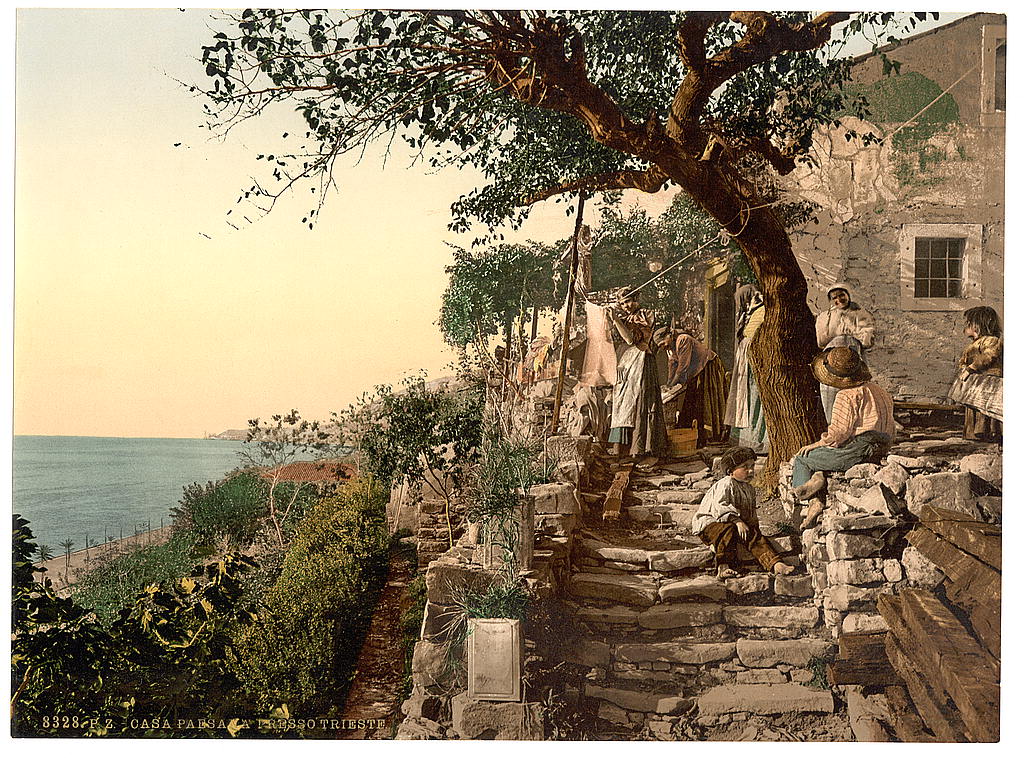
(859, 549)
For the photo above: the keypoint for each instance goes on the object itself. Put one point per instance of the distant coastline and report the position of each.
(236, 435)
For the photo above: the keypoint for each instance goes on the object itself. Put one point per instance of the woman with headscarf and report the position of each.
(699, 370)
(743, 407)
(638, 419)
(843, 324)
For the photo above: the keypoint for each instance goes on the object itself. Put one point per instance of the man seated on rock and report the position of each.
(728, 513)
(861, 431)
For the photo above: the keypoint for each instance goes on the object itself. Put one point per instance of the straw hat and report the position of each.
(840, 367)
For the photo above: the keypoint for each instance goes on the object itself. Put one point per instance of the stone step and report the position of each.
(639, 701)
(764, 699)
(625, 589)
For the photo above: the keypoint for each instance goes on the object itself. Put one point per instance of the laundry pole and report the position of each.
(569, 302)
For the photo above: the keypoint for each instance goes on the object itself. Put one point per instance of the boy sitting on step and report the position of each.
(728, 513)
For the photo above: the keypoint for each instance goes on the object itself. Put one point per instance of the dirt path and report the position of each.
(376, 692)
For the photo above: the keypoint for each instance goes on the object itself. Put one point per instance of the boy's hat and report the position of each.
(733, 457)
(840, 367)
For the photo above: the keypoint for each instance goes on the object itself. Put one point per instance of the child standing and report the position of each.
(981, 375)
(728, 514)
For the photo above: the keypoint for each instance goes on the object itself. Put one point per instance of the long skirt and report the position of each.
(704, 402)
(978, 426)
(638, 419)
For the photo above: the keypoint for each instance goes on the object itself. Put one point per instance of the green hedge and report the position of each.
(231, 508)
(304, 650)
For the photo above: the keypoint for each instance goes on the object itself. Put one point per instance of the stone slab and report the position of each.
(857, 571)
(764, 699)
(676, 560)
(799, 585)
(554, 498)
(855, 623)
(749, 584)
(947, 489)
(685, 496)
(768, 653)
(708, 587)
(630, 700)
(761, 676)
(680, 615)
(474, 720)
(606, 552)
(613, 615)
(691, 653)
(775, 616)
(844, 545)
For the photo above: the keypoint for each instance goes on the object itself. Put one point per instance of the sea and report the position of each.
(102, 488)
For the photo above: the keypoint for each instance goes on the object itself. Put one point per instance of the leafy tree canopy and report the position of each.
(540, 102)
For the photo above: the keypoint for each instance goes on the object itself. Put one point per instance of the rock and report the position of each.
(554, 498)
(905, 461)
(419, 729)
(445, 580)
(768, 653)
(842, 545)
(568, 473)
(948, 490)
(661, 730)
(689, 653)
(685, 467)
(674, 560)
(673, 706)
(920, 571)
(591, 653)
(430, 669)
(776, 616)
(611, 712)
(438, 621)
(606, 552)
(893, 476)
(555, 523)
(992, 508)
(854, 623)
(631, 590)
(862, 471)
(687, 497)
(420, 705)
(987, 466)
(892, 570)
(630, 700)
(857, 522)
(613, 615)
(761, 676)
(474, 720)
(563, 448)
(843, 597)
(749, 584)
(680, 615)
(707, 587)
(794, 586)
(867, 714)
(764, 699)
(882, 500)
(859, 571)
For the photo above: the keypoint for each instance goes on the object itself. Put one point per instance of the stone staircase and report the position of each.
(670, 650)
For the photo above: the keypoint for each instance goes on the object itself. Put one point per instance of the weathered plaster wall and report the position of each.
(867, 194)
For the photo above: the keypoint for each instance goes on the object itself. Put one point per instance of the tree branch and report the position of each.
(648, 180)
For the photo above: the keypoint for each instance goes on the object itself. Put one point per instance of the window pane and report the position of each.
(938, 288)
(938, 269)
(953, 288)
(920, 288)
(940, 248)
(1001, 77)
(921, 269)
(954, 268)
(921, 248)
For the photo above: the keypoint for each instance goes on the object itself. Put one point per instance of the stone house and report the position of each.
(915, 223)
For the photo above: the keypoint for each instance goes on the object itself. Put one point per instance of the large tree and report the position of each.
(546, 104)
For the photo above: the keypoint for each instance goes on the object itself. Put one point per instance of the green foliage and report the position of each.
(230, 509)
(303, 651)
(166, 656)
(507, 599)
(412, 620)
(819, 667)
(115, 583)
(420, 429)
(491, 288)
(359, 76)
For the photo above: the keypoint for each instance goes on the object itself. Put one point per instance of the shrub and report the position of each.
(230, 508)
(303, 651)
(411, 621)
(114, 585)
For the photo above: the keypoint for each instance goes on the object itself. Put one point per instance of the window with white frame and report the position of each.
(940, 266)
(993, 75)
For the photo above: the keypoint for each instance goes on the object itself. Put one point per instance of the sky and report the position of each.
(138, 311)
